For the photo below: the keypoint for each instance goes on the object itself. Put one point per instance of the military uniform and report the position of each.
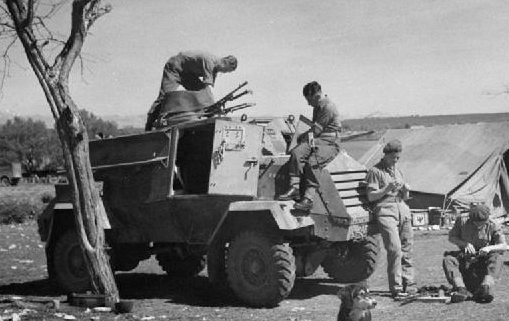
(185, 69)
(471, 271)
(307, 160)
(394, 222)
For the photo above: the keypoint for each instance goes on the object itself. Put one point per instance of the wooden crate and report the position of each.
(420, 218)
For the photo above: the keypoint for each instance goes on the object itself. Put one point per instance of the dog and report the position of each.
(356, 303)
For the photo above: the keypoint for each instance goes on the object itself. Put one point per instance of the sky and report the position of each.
(372, 57)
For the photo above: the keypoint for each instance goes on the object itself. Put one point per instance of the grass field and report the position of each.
(22, 202)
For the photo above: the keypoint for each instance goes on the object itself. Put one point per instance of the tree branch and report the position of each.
(7, 62)
(30, 13)
(84, 14)
(54, 8)
(94, 12)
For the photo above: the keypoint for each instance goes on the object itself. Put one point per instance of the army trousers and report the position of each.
(472, 271)
(395, 228)
(307, 161)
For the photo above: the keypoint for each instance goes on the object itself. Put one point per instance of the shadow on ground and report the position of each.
(194, 291)
(31, 288)
(308, 288)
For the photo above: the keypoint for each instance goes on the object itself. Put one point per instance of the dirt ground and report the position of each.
(156, 297)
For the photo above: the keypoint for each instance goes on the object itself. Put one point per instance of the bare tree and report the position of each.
(24, 20)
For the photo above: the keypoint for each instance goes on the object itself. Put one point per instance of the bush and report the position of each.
(47, 197)
(18, 212)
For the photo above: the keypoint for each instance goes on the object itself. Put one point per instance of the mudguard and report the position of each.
(280, 211)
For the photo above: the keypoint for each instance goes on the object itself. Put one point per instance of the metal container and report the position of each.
(89, 300)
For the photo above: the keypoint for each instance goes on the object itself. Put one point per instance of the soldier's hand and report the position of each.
(484, 251)
(391, 187)
(469, 249)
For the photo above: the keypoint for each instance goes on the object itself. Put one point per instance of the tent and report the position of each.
(452, 165)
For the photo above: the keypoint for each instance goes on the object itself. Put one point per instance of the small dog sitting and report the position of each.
(355, 303)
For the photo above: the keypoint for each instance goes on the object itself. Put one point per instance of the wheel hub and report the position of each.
(342, 251)
(254, 268)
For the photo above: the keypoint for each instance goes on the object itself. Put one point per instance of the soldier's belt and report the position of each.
(391, 199)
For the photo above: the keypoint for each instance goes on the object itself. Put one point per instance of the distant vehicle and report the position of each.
(10, 174)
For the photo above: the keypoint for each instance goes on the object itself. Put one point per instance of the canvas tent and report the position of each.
(453, 165)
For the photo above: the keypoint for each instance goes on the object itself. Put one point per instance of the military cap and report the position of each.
(393, 146)
(479, 212)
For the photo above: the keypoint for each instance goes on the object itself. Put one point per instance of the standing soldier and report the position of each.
(193, 70)
(316, 148)
(388, 190)
(479, 261)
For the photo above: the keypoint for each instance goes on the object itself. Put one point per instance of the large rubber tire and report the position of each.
(175, 266)
(357, 265)
(69, 266)
(260, 268)
(4, 181)
(216, 263)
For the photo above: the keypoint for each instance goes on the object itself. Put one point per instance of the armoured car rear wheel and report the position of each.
(354, 261)
(177, 266)
(260, 268)
(69, 267)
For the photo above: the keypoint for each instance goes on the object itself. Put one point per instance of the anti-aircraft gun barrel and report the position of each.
(218, 108)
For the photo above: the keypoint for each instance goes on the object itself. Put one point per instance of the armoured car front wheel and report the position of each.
(260, 268)
(69, 266)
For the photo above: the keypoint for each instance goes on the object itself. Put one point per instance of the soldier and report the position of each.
(316, 148)
(193, 70)
(388, 190)
(479, 261)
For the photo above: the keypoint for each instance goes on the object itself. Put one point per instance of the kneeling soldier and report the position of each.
(476, 266)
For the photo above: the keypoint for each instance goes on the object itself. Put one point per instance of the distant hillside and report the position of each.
(354, 124)
(383, 123)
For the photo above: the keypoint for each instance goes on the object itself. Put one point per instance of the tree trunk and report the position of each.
(89, 214)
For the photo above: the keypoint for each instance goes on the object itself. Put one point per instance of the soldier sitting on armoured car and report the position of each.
(313, 154)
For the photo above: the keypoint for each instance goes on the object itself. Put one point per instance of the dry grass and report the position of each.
(23, 202)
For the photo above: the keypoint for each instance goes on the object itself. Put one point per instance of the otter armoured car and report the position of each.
(204, 193)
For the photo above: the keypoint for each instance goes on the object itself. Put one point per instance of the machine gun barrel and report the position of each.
(238, 107)
(218, 108)
(245, 92)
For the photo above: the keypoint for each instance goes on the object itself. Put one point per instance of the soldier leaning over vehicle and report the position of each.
(195, 71)
(478, 263)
